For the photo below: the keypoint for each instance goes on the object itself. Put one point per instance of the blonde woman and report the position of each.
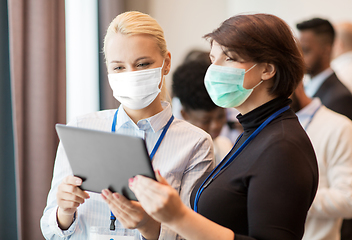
(137, 61)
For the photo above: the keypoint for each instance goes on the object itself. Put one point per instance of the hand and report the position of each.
(131, 214)
(69, 197)
(158, 199)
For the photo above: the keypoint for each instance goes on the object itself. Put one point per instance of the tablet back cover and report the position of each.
(104, 159)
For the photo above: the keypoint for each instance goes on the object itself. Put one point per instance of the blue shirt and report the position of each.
(312, 86)
(306, 114)
(185, 153)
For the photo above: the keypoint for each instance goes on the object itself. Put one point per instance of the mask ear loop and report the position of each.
(257, 84)
(162, 65)
(163, 76)
(251, 68)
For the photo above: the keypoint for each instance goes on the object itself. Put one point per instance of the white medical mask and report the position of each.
(136, 89)
(225, 85)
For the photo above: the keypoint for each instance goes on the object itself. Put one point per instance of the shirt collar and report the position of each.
(305, 114)
(155, 123)
(312, 86)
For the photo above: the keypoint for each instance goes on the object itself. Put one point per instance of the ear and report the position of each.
(167, 64)
(268, 71)
(184, 115)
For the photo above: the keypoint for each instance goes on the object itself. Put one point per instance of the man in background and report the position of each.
(331, 137)
(316, 39)
(342, 53)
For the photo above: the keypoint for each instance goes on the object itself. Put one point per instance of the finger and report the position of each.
(66, 205)
(120, 202)
(71, 197)
(125, 215)
(72, 180)
(160, 178)
(149, 186)
(107, 196)
(149, 192)
(76, 181)
(71, 189)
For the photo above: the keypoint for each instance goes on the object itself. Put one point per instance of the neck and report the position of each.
(258, 97)
(320, 70)
(136, 115)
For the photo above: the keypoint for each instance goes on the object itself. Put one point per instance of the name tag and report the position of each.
(104, 233)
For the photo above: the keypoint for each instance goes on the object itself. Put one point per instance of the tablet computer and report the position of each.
(105, 159)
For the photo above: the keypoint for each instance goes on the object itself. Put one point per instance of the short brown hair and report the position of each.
(321, 27)
(264, 38)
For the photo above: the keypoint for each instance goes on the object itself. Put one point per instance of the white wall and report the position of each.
(295, 11)
(184, 23)
(82, 59)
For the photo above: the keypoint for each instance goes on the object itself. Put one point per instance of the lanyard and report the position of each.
(207, 181)
(162, 135)
(311, 117)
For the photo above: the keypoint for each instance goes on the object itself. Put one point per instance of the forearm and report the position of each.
(193, 226)
(64, 220)
(150, 230)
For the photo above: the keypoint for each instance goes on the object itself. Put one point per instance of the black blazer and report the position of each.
(334, 95)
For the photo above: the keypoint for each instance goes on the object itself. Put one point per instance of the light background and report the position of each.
(184, 23)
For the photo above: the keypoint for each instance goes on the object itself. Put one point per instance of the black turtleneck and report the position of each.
(266, 191)
(253, 119)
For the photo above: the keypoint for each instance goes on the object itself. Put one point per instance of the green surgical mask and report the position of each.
(225, 85)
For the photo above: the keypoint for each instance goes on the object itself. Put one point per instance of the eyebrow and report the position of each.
(232, 54)
(138, 59)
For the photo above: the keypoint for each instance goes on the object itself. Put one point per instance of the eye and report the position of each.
(118, 68)
(143, 65)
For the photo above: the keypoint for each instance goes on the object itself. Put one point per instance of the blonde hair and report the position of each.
(133, 23)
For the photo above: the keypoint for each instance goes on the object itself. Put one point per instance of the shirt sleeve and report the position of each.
(202, 160)
(48, 221)
(334, 199)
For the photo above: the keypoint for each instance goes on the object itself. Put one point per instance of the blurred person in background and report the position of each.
(331, 136)
(316, 39)
(342, 53)
(197, 106)
(232, 129)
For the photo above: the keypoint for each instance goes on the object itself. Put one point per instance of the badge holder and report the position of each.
(104, 233)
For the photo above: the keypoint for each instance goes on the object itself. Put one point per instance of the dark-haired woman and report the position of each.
(264, 187)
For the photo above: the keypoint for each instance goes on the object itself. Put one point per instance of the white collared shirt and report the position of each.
(185, 153)
(306, 114)
(331, 137)
(312, 86)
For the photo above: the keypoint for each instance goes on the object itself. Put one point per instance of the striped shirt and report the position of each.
(185, 153)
